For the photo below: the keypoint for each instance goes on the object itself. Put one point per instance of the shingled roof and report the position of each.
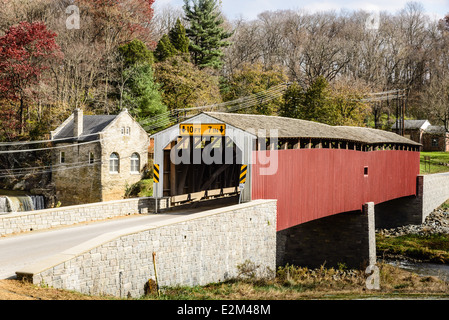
(297, 128)
(410, 124)
(436, 129)
(91, 126)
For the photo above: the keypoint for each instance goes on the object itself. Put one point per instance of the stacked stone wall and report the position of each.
(192, 250)
(431, 192)
(435, 192)
(14, 223)
(346, 238)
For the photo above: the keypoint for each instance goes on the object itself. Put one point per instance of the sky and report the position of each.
(249, 9)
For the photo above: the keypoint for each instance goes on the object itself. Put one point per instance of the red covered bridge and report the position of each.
(313, 170)
(314, 183)
(316, 171)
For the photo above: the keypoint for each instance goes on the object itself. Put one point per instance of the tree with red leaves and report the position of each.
(130, 18)
(26, 51)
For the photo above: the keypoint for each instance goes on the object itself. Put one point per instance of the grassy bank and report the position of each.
(295, 283)
(431, 248)
(290, 283)
(143, 188)
(436, 163)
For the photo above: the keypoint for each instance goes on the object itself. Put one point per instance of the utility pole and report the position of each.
(403, 112)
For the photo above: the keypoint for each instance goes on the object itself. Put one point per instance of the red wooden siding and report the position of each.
(314, 183)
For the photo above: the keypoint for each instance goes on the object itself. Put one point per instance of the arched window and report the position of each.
(135, 163)
(114, 162)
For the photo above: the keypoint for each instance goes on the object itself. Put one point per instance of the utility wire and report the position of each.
(229, 106)
(59, 167)
(244, 102)
(265, 96)
(41, 141)
(50, 148)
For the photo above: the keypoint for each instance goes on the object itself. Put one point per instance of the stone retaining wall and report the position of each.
(347, 238)
(194, 249)
(431, 192)
(435, 192)
(13, 223)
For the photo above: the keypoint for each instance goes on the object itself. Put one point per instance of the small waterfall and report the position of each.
(4, 207)
(21, 203)
(38, 202)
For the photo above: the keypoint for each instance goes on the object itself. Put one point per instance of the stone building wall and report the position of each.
(124, 143)
(193, 249)
(76, 180)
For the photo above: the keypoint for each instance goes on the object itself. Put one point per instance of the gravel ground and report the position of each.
(436, 222)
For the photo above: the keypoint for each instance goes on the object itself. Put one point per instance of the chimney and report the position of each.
(77, 122)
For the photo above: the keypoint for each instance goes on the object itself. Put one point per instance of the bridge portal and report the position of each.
(201, 157)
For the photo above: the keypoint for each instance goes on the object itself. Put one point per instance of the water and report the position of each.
(423, 268)
(21, 203)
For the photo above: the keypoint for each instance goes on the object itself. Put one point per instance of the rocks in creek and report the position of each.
(436, 222)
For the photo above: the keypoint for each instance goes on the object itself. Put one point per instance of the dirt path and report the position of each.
(18, 290)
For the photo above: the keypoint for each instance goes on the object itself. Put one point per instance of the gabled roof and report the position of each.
(435, 129)
(297, 128)
(411, 124)
(91, 126)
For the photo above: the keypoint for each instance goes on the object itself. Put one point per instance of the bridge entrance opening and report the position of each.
(198, 167)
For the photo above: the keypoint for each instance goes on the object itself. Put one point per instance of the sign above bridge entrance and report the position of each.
(197, 129)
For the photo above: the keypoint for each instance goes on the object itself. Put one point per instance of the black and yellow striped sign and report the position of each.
(243, 171)
(156, 173)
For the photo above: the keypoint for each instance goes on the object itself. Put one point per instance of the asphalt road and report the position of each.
(21, 250)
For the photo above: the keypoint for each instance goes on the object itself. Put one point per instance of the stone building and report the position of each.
(95, 157)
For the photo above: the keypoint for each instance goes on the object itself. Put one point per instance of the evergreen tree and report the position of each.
(184, 85)
(164, 49)
(178, 37)
(293, 100)
(139, 93)
(310, 104)
(206, 34)
(142, 96)
(135, 52)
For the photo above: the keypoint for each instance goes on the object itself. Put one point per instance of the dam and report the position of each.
(21, 203)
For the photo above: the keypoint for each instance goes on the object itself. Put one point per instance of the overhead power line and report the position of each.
(165, 119)
(21, 143)
(229, 106)
(50, 148)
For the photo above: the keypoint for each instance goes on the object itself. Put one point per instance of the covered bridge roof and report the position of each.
(297, 128)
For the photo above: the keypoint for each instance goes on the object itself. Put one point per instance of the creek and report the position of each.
(423, 268)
